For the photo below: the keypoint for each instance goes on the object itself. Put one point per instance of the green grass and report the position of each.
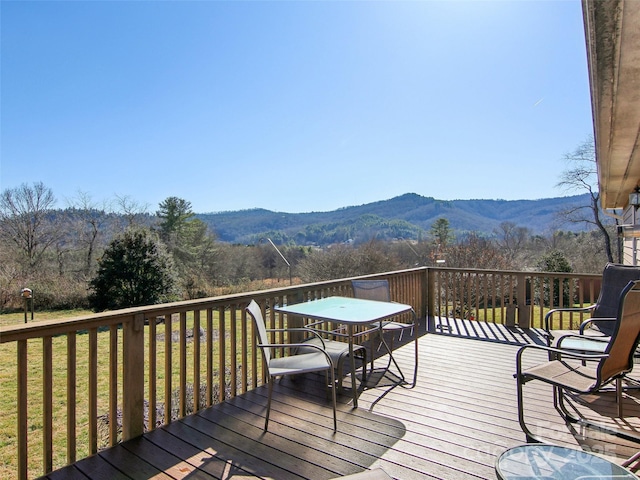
(17, 318)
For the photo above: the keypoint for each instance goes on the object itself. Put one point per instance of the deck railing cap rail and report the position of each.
(60, 326)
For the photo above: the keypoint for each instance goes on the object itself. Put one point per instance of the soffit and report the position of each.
(612, 30)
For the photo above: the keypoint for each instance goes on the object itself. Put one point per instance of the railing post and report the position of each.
(133, 378)
(429, 292)
(524, 310)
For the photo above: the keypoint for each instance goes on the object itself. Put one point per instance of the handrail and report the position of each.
(148, 365)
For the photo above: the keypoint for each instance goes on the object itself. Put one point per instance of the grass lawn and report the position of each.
(17, 318)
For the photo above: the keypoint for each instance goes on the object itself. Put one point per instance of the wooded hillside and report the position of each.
(405, 216)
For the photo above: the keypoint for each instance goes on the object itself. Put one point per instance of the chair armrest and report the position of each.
(550, 313)
(311, 331)
(299, 345)
(585, 324)
(557, 351)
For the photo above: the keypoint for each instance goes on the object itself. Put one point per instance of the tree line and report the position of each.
(119, 254)
(91, 256)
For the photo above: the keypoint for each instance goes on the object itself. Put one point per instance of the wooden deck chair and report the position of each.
(316, 360)
(379, 290)
(584, 373)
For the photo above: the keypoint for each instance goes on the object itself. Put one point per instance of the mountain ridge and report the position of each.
(406, 216)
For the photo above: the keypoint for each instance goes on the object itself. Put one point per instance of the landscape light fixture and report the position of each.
(27, 295)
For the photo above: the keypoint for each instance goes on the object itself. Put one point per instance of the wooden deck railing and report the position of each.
(85, 383)
(510, 297)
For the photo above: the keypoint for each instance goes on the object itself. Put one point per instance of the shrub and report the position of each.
(134, 270)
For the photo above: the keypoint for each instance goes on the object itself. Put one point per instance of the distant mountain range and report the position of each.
(407, 216)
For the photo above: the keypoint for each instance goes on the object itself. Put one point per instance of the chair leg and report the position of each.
(568, 416)
(619, 396)
(266, 419)
(530, 436)
(333, 395)
(415, 365)
(362, 355)
(373, 349)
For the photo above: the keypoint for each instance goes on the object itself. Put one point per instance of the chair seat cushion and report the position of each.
(572, 376)
(388, 326)
(302, 363)
(336, 350)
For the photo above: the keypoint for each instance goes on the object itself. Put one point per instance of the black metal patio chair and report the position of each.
(580, 372)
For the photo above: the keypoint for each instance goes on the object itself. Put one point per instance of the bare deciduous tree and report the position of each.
(89, 226)
(511, 239)
(24, 216)
(582, 176)
(131, 210)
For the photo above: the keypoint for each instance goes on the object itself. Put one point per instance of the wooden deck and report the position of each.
(452, 425)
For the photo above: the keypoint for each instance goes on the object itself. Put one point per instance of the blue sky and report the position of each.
(293, 106)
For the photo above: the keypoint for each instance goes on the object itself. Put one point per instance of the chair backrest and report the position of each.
(254, 310)
(371, 290)
(615, 278)
(625, 337)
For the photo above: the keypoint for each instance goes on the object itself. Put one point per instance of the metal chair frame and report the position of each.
(581, 375)
(317, 360)
(379, 290)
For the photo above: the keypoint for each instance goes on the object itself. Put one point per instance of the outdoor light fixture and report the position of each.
(634, 198)
(632, 231)
(629, 231)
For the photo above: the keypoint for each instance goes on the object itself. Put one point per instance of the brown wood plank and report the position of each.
(67, 473)
(163, 460)
(97, 468)
(203, 459)
(209, 442)
(135, 467)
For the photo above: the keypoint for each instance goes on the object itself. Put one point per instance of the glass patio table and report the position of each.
(350, 312)
(541, 461)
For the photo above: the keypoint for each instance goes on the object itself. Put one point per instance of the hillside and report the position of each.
(406, 216)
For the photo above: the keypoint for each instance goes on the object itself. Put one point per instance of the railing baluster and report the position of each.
(168, 370)
(221, 353)
(93, 390)
(196, 360)
(47, 404)
(113, 384)
(209, 357)
(244, 351)
(233, 353)
(71, 397)
(183, 365)
(22, 410)
(153, 366)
